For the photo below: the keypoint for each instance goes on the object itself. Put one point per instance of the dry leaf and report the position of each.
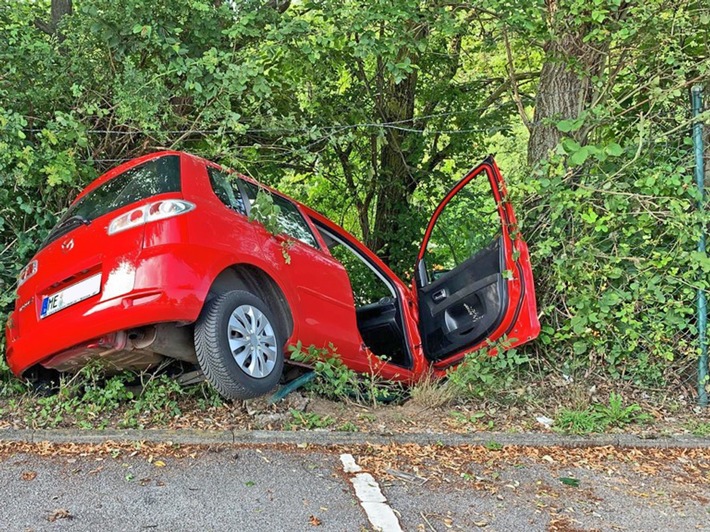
(28, 475)
(59, 513)
(159, 463)
(314, 521)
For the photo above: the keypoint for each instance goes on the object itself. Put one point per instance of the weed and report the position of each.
(465, 418)
(578, 421)
(493, 446)
(206, 396)
(698, 428)
(600, 417)
(158, 401)
(481, 374)
(618, 415)
(89, 399)
(431, 392)
(348, 426)
(308, 420)
(335, 380)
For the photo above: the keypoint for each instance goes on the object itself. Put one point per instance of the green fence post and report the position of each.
(697, 104)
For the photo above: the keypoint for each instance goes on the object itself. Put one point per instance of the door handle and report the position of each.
(439, 295)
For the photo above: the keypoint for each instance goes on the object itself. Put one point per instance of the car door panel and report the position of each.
(464, 305)
(486, 294)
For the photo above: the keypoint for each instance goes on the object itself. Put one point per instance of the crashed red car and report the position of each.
(158, 258)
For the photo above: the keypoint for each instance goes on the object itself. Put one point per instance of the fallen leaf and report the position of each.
(569, 481)
(314, 521)
(159, 463)
(59, 513)
(28, 475)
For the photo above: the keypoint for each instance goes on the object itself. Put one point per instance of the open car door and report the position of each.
(473, 277)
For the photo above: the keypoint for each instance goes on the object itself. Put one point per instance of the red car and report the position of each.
(158, 258)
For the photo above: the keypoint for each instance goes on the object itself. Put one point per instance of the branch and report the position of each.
(280, 6)
(513, 83)
(44, 26)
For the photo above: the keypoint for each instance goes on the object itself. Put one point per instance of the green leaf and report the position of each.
(614, 149)
(569, 481)
(579, 157)
(567, 126)
(579, 348)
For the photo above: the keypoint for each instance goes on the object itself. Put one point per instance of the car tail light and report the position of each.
(27, 272)
(158, 210)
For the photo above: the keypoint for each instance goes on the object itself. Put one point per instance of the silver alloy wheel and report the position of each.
(252, 341)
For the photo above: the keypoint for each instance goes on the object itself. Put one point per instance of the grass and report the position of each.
(600, 417)
(431, 392)
(308, 420)
(698, 428)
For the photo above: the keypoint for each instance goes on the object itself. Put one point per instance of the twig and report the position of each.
(427, 521)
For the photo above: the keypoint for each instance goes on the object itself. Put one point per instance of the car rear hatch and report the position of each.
(99, 237)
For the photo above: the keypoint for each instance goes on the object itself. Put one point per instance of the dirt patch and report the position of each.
(524, 409)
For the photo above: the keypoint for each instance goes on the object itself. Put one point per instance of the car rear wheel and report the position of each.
(239, 346)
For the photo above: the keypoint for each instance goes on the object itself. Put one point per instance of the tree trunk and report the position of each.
(58, 9)
(396, 183)
(560, 95)
(565, 83)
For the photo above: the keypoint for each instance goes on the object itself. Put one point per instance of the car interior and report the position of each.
(377, 307)
(461, 307)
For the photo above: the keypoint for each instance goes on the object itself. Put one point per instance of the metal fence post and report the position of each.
(697, 104)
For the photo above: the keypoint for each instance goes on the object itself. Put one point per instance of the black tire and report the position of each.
(213, 334)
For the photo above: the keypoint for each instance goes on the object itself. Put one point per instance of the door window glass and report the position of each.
(469, 223)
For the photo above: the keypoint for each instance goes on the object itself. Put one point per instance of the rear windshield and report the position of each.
(148, 179)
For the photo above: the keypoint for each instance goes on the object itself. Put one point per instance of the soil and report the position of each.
(529, 409)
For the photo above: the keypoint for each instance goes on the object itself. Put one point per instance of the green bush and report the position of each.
(481, 375)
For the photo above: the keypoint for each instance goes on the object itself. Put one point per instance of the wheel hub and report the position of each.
(252, 341)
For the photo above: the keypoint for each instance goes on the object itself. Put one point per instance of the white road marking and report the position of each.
(349, 464)
(371, 498)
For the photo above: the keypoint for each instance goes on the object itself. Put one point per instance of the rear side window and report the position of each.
(227, 190)
(140, 182)
(290, 219)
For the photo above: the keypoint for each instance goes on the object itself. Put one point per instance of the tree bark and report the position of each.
(58, 10)
(565, 82)
(396, 183)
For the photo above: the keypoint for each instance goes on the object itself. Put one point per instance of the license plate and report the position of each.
(70, 295)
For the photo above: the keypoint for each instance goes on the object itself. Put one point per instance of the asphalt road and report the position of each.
(284, 489)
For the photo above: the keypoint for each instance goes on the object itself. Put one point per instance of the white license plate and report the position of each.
(70, 295)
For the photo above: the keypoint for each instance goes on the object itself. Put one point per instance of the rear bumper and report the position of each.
(165, 290)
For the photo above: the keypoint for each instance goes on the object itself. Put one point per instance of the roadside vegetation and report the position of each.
(337, 399)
